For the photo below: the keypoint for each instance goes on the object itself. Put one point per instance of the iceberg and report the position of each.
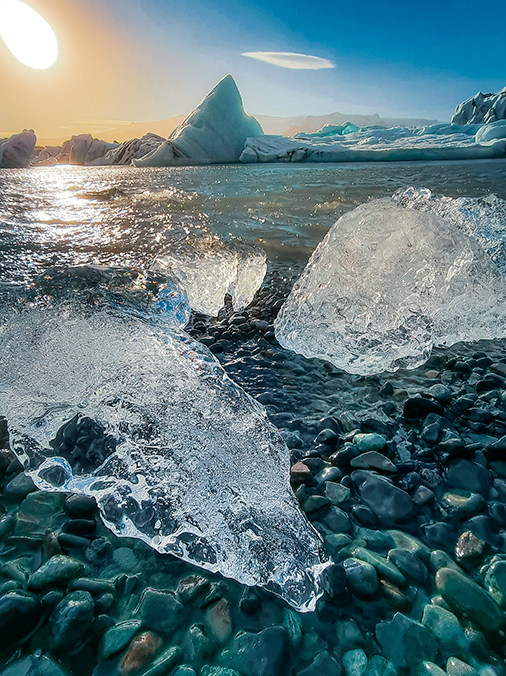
(215, 132)
(208, 267)
(387, 284)
(16, 151)
(105, 396)
(129, 150)
(481, 108)
(377, 144)
(84, 149)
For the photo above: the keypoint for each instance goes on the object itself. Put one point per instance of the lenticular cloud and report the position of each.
(291, 60)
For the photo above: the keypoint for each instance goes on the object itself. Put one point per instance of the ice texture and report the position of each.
(377, 144)
(130, 150)
(16, 151)
(481, 108)
(214, 132)
(386, 285)
(208, 267)
(102, 397)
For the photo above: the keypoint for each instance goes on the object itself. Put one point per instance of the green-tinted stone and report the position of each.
(430, 669)
(355, 662)
(160, 611)
(323, 663)
(380, 666)
(369, 442)
(405, 541)
(70, 620)
(164, 663)
(456, 667)
(337, 494)
(257, 654)
(445, 627)
(468, 598)
(217, 671)
(336, 541)
(57, 572)
(373, 460)
(406, 642)
(313, 503)
(293, 625)
(384, 568)
(37, 511)
(361, 576)
(118, 637)
(495, 581)
(463, 502)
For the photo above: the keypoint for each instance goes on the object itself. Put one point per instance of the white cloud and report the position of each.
(291, 60)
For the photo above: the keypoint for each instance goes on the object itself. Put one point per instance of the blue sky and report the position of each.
(394, 58)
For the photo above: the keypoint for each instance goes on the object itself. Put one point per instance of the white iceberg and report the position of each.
(84, 149)
(481, 108)
(104, 399)
(376, 144)
(16, 151)
(386, 285)
(215, 132)
(129, 150)
(208, 267)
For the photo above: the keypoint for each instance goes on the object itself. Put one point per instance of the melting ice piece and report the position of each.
(481, 108)
(145, 419)
(214, 132)
(385, 285)
(208, 267)
(16, 151)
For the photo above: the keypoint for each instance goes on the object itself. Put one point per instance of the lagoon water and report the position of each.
(122, 216)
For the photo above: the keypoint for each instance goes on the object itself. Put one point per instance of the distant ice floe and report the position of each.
(80, 149)
(379, 144)
(215, 132)
(130, 150)
(481, 108)
(110, 398)
(207, 267)
(16, 151)
(388, 283)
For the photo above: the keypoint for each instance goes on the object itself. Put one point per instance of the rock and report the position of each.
(217, 621)
(445, 627)
(440, 393)
(299, 473)
(408, 564)
(16, 151)
(197, 647)
(337, 494)
(186, 670)
(361, 576)
(215, 132)
(362, 301)
(323, 663)
(468, 546)
(57, 572)
(19, 615)
(430, 669)
(125, 559)
(469, 476)
(70, 620)
(416, 408)
(118, 637)
(333, 580)
(405, 642)
(337, 520)
(160, 611)
(19, 487)
(467, 598)
(34, 665)
(355, 662)
(391, 504)
(141, 650)
(216, 671)
(384, 568)
(261, 654)
(369, 442)
(456, 667)
(293, 625)
(164, 663)
(463, 502)
(80, 506)
(495, 581)
(192, 587)
(373, 460)
(349, 635)
(379, 666)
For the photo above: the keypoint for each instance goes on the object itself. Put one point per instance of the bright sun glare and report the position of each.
(28, 36)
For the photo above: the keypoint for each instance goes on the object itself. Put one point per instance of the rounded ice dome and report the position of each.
(27, 35)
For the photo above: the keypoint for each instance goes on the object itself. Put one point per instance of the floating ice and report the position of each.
(130, 150)
(214, 132)
(481, 108)
(103, 398)
(387, 284)
(16, 151)
(208, 267)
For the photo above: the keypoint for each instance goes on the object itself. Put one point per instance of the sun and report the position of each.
(28, 36)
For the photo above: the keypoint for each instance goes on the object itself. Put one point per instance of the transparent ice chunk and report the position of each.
(387, 284)
(116, 404)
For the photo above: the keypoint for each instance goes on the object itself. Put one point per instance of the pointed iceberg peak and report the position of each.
(214, 132)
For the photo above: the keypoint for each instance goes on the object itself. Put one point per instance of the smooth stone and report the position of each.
(391, 504)
(463, 502)
(361, 576)
(349, 635)
(456, 667)
(439, 534)
(469, 546)
(405, 642)
(186, 670)
(469, 476)
(324, 664)
(440, 559)
(125, 559)
(416, 408)
(257, 654)
(430, 669)
(384, 568)
(445, 627)
(369, 442)
(337, 520)
(94, 586)
(19, 615)
(336, 541)
(408, 563)
(377, 540)
(380, 666)
(430, 434)
(468, 598)
(141, 650)
(313, 503)
(373, 460)
(34, 665)
(355, 662)
(57, 572)
(293, 625)
(18, 488)
(337, 494)
(395, 597)
(333, 580)
(440, 393)
(217, 621)
(118, 637)
(191, 587)
(495, 581)
(299, 473)
(80, 506)
(70, 620)
(208, 670)
(36, 512)
(197, 647)
(163, 663)
(160, 611)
